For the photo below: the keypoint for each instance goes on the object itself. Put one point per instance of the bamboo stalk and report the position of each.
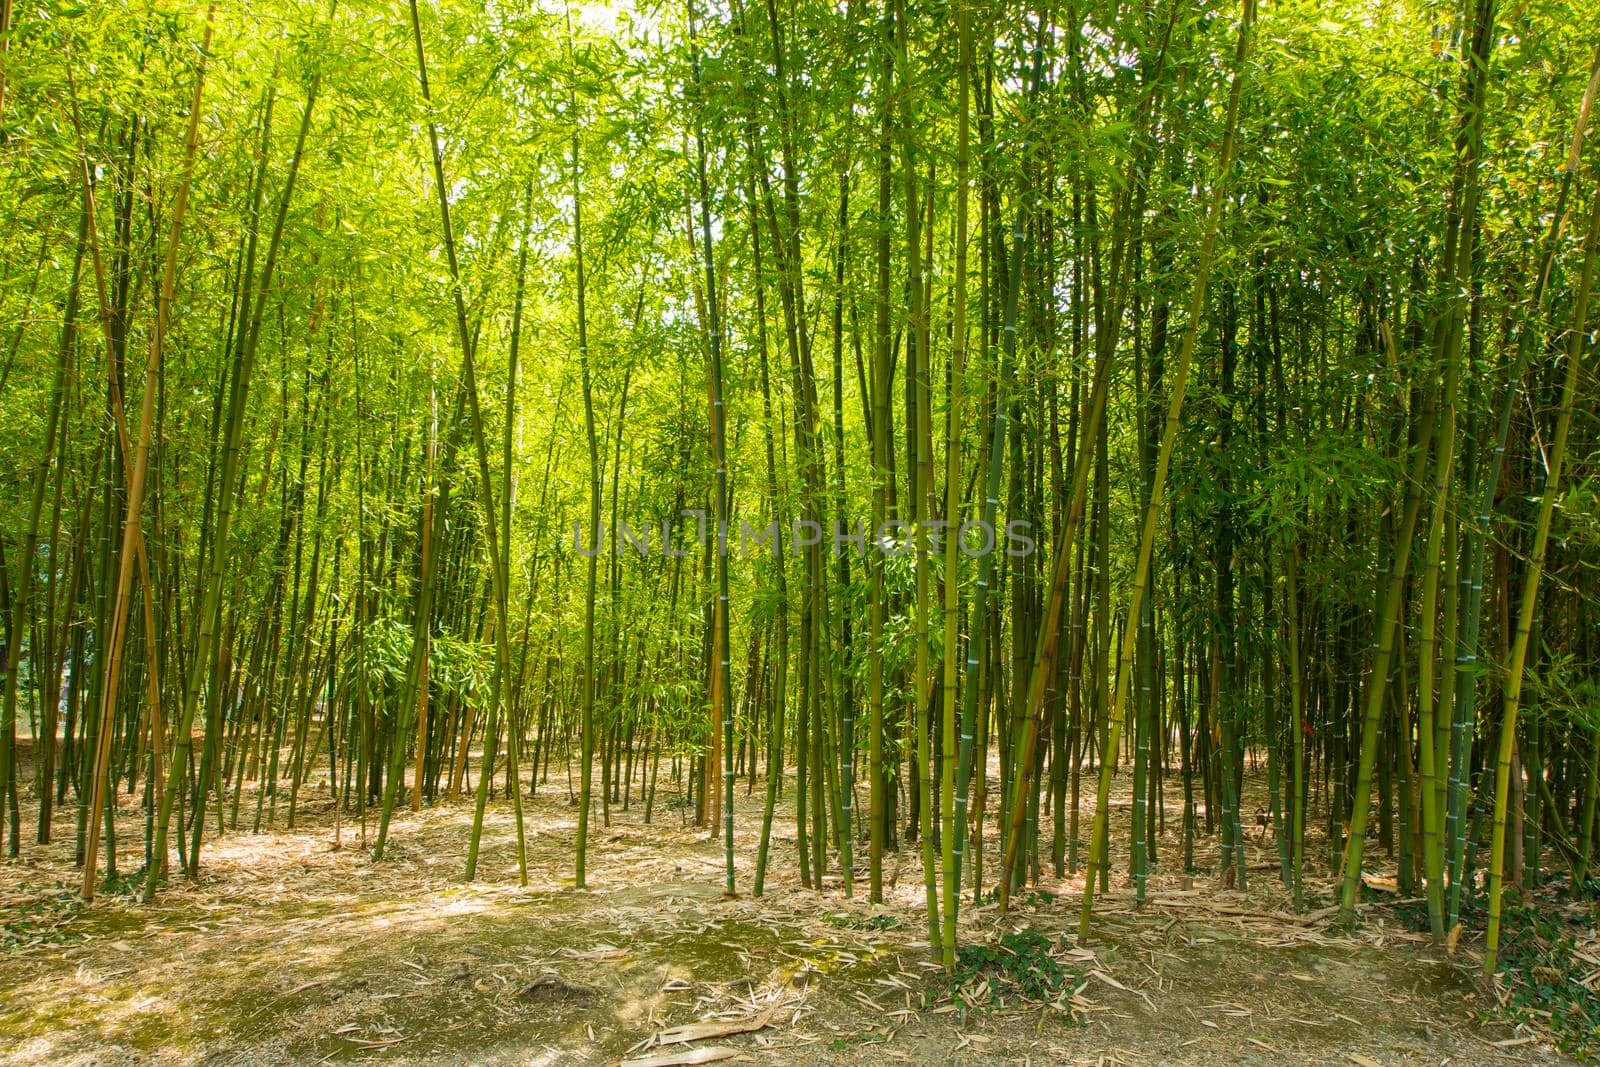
(1180, 381)
(1518, 658)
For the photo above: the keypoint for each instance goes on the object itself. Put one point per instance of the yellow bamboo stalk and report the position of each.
(132, 541)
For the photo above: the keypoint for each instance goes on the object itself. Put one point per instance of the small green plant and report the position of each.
(1545, 980)
(866, 1037)
(847, 921)
(38, 919)
(1020, 966)
(1413, 915)
(1029, 898)
(127, 883)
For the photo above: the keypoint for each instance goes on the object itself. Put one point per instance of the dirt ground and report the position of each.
(292, 950)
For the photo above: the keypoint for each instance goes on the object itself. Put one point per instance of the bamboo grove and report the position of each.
(1186, 399)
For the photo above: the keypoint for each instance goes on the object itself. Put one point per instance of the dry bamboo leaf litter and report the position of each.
(259, 909)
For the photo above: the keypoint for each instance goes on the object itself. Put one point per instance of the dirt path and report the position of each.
(289, 951)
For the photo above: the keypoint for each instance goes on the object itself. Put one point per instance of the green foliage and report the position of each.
(1563, 690)
(882, 921)
(1542, 979)
(454, 665)
(37, 919)
(1322, 476)
(125, 883)
(1324, 296)
(1545, 980)
(1019, 967)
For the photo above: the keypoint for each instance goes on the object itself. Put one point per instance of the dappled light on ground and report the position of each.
(290, 951)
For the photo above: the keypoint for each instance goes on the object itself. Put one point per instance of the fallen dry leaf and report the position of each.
(710, 1054)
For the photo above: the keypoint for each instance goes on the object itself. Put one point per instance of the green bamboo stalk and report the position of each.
(1591, 791)
(23, 594)
(1470, 596)
(1297, 724)
(586, 771)
(1044, 663)
(499, 573)
(1530, 587)
(1391, 605)
(1455, 277)
(722, 689)
(514, 753)
(777, 711)
(883, 470)
(952, 486)
(1169, 433)
(976, 646)
(228, 484)
(430, 531)
(1433, 851)
(919, 464)
(845, 694)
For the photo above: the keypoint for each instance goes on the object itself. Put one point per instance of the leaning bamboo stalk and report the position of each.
(469, 385)
(229, 483)
(1530, 586)
(1169, 434)
(1470, 593)
(132, 546)
(1047, 644)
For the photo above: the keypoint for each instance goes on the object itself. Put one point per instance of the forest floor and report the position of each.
(293, 949)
